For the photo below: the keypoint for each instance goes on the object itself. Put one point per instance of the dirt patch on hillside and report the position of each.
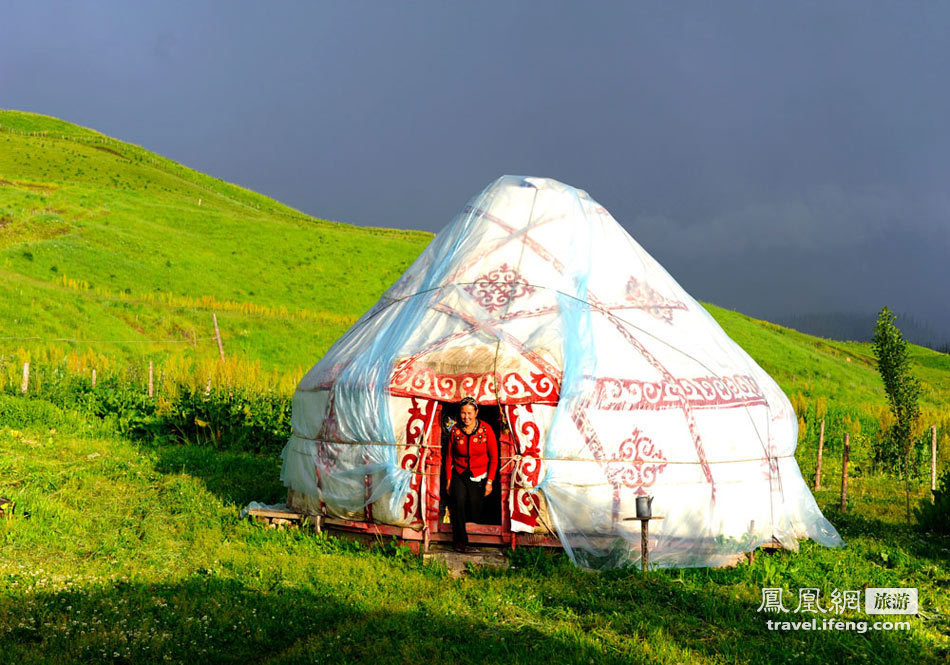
(132, 322)
(111, 152)
(37, 187)
(6, 183)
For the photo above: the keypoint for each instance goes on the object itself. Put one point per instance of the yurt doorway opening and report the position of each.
(491, 506)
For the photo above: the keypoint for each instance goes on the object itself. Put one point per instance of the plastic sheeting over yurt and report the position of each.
(612, 381)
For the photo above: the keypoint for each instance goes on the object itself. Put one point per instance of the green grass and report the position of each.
(843, 372)
(123, 553)
(103, 240)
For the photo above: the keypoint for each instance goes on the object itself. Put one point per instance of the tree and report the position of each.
(902, 387)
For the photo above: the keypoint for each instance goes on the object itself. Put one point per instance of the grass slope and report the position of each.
(103, 240)
(843, 372)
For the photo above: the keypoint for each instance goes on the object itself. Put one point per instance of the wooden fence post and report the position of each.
(844, 472)
(645, 545)
(821, 445)
(151, 379)
(933, 458)
(25, 384)
(217, 334)
(93, 378)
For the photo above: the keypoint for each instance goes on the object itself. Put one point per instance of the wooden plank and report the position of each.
(458, 563)
(644, 538)
(282, 514)
(933, 458)
(645, 544)
(217, 336)
(773, 544)
(844, 472)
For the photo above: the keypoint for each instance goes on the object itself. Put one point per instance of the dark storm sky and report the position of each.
(777, 158)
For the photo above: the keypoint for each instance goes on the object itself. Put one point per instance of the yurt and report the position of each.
(602, 379)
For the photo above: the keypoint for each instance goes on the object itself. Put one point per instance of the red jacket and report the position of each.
(477, 451)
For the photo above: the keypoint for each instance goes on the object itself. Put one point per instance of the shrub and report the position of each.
(245, 418)
(935, 515)
(236, 419)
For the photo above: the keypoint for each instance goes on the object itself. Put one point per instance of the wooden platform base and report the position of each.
(435, 546)
(460, 564)
(771, 546)
(279, 519)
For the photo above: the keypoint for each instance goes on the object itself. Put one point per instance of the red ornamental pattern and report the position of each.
(420, 420)
(686, 406)
(637, 463)
(514, 388)
(642, 296)
(769, 467)
(499, 287)
(527, 473)
(328, 452)
(704, 392)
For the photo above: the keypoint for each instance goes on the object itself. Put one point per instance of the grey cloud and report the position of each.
(828, 217)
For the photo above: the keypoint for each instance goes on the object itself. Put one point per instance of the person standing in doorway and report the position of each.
(470, 466)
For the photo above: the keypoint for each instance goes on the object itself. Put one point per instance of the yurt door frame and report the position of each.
(435, 491)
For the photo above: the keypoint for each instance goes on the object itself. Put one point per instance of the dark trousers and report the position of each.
(467, 498)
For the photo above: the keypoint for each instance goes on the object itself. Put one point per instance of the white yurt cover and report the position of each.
(535, 298)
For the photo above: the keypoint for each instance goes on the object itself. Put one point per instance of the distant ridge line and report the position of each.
(182, 171)
(859, 327)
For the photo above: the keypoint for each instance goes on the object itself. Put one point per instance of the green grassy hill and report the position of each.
(103, 240)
